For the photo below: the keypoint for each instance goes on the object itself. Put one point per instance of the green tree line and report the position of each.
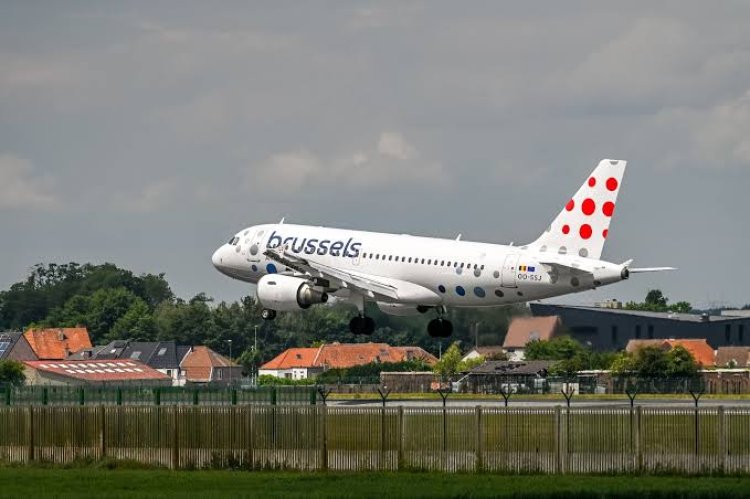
(115, 304)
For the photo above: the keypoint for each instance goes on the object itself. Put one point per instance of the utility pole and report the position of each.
(255, 338)
(230, 360)
(476, 334)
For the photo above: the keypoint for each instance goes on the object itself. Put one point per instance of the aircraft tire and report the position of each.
(268, 314)
(362, 325)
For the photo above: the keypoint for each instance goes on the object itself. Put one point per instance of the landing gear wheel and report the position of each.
(268, 314)
(362, 325)
(439, 328)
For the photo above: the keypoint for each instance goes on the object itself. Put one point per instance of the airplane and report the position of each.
(296, 266)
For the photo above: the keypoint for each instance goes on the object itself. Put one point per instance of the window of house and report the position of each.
(614, 335)
(638, 332)
(169, 373)
(650, 332)
(219, 374)
(162, 351)
(727, 333)
(741, 333)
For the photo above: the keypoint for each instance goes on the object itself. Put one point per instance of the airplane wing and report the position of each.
(375, 287)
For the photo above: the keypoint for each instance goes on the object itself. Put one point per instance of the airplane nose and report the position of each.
(217, 259)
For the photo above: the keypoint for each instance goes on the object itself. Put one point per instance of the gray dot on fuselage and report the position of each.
(563, 250)
(583, 252)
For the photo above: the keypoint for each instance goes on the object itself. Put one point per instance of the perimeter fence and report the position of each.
(151, 395)
(516, 440)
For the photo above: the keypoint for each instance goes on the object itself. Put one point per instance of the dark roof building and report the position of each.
(611, 329)
(164, 356)
(14, 346)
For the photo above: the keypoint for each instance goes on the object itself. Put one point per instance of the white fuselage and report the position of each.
(447, 272)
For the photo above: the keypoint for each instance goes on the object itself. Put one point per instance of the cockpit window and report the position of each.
(233, 241)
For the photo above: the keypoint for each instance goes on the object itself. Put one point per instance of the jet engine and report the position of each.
(287, 293)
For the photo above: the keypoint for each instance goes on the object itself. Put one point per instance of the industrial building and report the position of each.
(605, 328)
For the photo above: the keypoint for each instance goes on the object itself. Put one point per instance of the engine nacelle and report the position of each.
(399, 310)
(286, 293)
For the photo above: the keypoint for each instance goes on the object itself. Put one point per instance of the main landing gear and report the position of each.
(268, 314)
(440, 328)
(361, 324)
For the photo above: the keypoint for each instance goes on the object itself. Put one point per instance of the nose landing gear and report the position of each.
(268, 314)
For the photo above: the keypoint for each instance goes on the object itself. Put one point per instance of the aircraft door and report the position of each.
(255, 251)
(510, 268)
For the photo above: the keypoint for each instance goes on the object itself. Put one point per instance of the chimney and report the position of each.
(705, 317)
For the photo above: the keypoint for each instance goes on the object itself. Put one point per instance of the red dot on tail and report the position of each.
(585, 231)
(608, 208)
(605, 233)
(588, 207)
(592, 182)
(571, 204)
(566, 229)
(612, 184)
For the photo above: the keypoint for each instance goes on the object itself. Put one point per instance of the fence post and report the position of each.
(118, 396)
(157, 396)
(313, 397)
(81, 396)
(45, 395)
(102, 431)
(722, 439)
(400, 464)
(479, 442)
(324, 438)
(638, 439)
(234, 396)
(273, 395)
(31, 433)
(8, 389)
(175, 439)
(558, 440)
(381, 463)
(250, 434)
(195, 397)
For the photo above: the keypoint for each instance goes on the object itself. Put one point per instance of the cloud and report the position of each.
(151, 198)
(392, 161)
(723, 135)
(20, 189)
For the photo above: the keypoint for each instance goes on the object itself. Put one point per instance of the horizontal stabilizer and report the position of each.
(651, 269)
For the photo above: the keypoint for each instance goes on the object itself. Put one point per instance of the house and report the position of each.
(523, 330)
(496, 352)
(57, 343)
(93, 372)
(733, 357)
(203, 365)
(164, 356)
(14, 346)
(611, 328)
(304, 363)
(701, 351)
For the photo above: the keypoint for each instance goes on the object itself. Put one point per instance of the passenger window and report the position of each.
(409, 259)
(462, 265)
(429, 262)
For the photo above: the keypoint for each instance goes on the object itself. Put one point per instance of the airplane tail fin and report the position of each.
(582, 226)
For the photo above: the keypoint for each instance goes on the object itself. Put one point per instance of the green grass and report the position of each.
(101, 483)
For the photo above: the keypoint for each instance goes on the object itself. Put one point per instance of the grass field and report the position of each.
(125, 483)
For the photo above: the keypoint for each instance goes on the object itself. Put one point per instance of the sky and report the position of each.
(147, 133)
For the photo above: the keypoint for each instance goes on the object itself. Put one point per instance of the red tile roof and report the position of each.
(702, 352)
(99, 370)
(337, 355)
(200, 361)
(522, 330)
(737, 356)
(57, 343)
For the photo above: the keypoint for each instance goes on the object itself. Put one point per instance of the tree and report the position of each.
(449, 362)
(12, 372)
(656, 302)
